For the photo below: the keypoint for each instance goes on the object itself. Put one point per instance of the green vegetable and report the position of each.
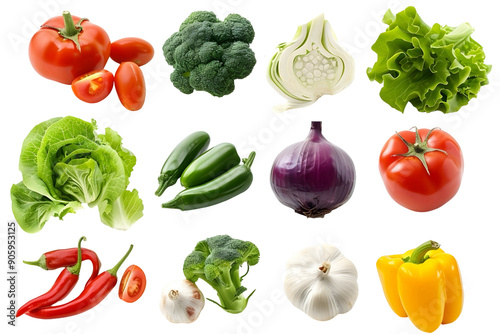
(182, 155)
(208, 54)
(217, 261)
(210, 164)
(310, 66)
(65, 163)
(433, 68)
(226, 186)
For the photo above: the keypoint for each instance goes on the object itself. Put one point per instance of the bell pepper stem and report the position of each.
(249, 161)
(114, 270)
(419, 254)
(75, 270)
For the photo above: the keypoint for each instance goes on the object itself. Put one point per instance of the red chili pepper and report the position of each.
(65, 258)
(91, 295)
(63, 285)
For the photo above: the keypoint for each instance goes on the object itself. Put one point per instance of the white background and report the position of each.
(371, 224)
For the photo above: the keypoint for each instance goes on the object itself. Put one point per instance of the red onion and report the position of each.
(313, 177)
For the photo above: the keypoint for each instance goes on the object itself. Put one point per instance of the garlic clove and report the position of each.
(181, 301)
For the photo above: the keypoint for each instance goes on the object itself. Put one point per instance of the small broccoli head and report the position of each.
(217, 261)
(180, 79)
(249, 253)
(169, 47)
(212, 78)
(210, 53)
(199, 16)
(241, 28)
(194, 266)
(239, 60)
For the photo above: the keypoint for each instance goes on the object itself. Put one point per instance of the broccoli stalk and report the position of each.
(217, 261)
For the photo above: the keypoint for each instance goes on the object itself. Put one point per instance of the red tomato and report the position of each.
(403, 168)
(130, 85)
(132, 49)
(55, 56)
(132, 284)
(94, 86)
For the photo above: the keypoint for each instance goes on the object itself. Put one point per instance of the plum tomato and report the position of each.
(132, 49)
(130, 85)
(67, 46)
(132, 284)
(94, 86)
(421, 175)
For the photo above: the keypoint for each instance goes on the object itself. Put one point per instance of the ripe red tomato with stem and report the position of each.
(67, 46)
(421, 175)
(132, 49)
(130, 85)
(132, 284)
(94, 86)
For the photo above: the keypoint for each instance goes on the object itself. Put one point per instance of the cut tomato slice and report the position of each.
(94, 86)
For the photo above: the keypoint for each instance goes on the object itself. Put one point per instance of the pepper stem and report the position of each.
(75, 270)
(114, 270)
(249, 161)
(41, 262)
(419, 254)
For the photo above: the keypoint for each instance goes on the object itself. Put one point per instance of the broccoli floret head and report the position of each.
(181, 81)
(210, 54)
(217, 261)
(241, 28)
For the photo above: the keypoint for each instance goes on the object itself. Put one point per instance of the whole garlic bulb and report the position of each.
(181, 301)
(321, 282)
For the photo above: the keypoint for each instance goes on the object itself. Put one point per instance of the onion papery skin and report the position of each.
(314, 176)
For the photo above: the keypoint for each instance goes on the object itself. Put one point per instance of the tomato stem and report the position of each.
(419, 148)
(71, 30)
(419, 254)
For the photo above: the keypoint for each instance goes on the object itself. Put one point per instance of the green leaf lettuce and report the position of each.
(433, 68)
(65, 163)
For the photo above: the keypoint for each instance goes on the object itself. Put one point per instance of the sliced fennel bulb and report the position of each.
(310, 66)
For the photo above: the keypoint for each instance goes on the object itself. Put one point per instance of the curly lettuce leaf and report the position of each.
(32, 210)
(113, 173)
(113, 139)
(433, 68)
(123, 212)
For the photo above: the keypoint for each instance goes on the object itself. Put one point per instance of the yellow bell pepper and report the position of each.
(423, 284)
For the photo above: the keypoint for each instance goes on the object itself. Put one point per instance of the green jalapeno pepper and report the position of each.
(210, 164)
(182, 155)
(226, 186)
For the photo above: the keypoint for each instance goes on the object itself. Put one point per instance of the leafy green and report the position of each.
(123, 212)
(32, 210)
(433, 68)
(65, 163)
